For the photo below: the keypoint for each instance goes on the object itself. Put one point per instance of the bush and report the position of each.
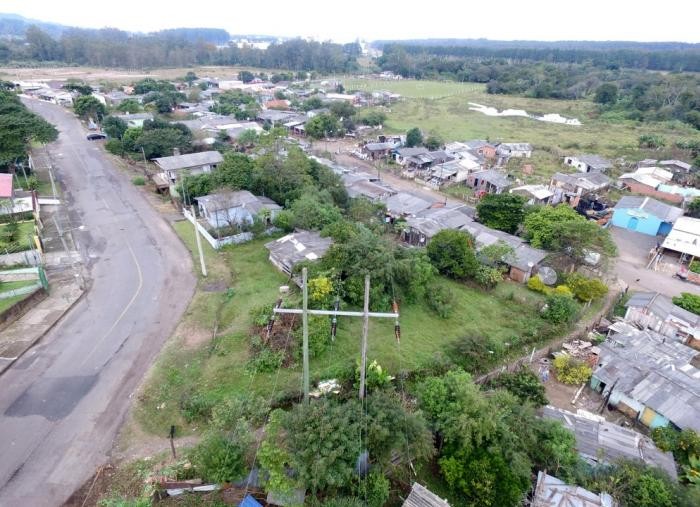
(524, 384)
(265, 361)
(571, 371)
(319, 336)
(488, 277)
(375, 377)
(695, 266)
(440, 299)
(260, 315)
(284, 220)
(225, 415)
(688, 301)
(196, 407)
(560, 309)
(321, 292)
(218, 458)
(115, 147)
(535, 283)
(586, 289)
(563, 290)
(139, 181)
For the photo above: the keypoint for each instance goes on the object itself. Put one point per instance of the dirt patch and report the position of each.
(217, 286)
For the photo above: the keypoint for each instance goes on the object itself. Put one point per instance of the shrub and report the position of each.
(115, 147)
(571, 371)
(265, 361)
(260, 315)
(375, 377)
(535, 283)
(695, 266)
(196, 407)
(219, 458)
(225, 415)
(524, 384)
(319, 336)
(487, 277)
(284, 220)
(321, 292)
(560, 309)
(563, 290)
(688, 301)
(586, 289)
(139, 181)
(440, 299)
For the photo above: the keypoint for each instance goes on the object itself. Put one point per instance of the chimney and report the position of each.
(176, 151)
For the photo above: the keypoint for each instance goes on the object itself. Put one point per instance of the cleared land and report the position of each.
(241, 278)
(442, 108)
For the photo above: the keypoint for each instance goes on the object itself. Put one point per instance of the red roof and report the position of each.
(5, 186)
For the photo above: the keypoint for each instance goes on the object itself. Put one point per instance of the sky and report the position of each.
(342, 21)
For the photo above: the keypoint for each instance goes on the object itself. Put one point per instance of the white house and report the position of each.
(588, 163)
(192, 163)
(235, 208)
(518, 150)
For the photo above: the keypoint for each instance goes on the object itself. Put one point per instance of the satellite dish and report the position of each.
(547, 275)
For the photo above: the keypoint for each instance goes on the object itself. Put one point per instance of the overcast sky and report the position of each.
(640, 20)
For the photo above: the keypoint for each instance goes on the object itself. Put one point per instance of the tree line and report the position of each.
(110, 47)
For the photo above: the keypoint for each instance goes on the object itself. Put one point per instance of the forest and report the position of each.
(110, 47)
(623, 93)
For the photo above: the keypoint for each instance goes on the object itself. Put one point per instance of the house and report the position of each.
(423, 161)
(645, 215)
(649, 378)
(401, 155)
(364, 185)
(601, 442)
(651, 310)
(427, 223)
(588, 163)
(134, 120)
(481, 147)
(405, 204)
(192, 163)
(684, 237)
(534, 194)
(377, 151)
(570, 188)
(235, 208)
(675, 166)
(6, 186)
(553, 492)
(524, 259)
(648, 180)
(489, 181)
(288, 251)
(421, 496)
(276, 117)
(517, 150)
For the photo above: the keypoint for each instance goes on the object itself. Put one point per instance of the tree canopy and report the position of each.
(452, 253)
(18, 128)
(504, 212)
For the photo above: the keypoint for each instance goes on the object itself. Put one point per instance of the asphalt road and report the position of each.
(62, 404)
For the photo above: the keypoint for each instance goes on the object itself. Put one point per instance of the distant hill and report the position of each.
(530, 44)
(14, 25)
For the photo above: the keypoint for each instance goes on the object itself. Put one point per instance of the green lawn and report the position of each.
(5, 286)
(442, 108)
(217, 369)
(8, 302)
(24, 236)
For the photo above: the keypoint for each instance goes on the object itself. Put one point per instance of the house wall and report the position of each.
(518, 275)
(641, 188)
(487, 151)
(574, 162)
(644, 223)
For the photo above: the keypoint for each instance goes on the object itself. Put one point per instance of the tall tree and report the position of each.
(414, 137)
(504, 212)
(452, 253)
(88, 106)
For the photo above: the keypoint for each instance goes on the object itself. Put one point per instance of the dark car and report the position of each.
(96, 136)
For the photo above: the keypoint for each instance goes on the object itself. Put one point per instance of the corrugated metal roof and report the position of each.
(684, 237)
(586, 181)
(656, 208)
(300, 246)
(662, 306)
(189, 160)
(600, 441)
(553, 492)
(422, 497)
(249, 501)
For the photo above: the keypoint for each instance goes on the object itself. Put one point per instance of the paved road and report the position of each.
(63, 402)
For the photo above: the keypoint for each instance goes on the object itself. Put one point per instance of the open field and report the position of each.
(193, 363)
(442, 108)
(122, 76)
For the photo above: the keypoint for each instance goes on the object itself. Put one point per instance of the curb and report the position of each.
(6, 366)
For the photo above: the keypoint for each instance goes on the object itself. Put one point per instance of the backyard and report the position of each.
(16, 240)
(241, 278)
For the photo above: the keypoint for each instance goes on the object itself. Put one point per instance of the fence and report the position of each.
(214, 242)
(27, 257)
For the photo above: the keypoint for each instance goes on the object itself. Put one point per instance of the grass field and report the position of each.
(24, 234)
(442, 108)
(192, 363)
(8, 302)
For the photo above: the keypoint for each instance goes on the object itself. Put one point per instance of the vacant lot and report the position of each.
(241, 278)
(442, 108)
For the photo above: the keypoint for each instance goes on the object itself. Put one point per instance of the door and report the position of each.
(632, 224)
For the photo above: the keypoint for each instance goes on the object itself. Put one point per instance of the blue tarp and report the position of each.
(249, 501)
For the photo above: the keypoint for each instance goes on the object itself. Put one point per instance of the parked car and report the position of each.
(96, 136)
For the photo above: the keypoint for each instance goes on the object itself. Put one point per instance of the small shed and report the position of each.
(588, 163)
(235, 208)
(288, 251)
(553, 492)
(421, 496)
(490, 181)
(405, 204)
(534, 194)
(684, 237)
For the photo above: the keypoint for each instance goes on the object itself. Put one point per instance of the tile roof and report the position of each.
(421, 496)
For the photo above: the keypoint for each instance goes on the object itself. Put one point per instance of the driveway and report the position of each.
(633, 257)
(63, 402)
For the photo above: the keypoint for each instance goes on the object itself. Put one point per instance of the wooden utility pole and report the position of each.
(199, 242)
(365, 314)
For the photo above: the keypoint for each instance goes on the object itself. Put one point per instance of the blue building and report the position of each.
(645, 215)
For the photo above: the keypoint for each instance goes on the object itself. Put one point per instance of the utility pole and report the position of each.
(305, 329)
(365, 314)
(199, 242)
